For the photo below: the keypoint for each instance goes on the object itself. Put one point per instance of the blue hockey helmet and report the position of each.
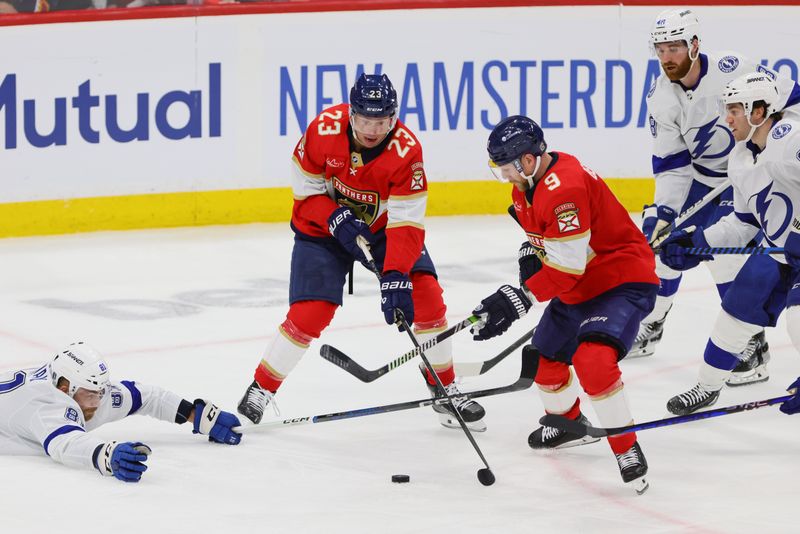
(373, 96)
(513, 137)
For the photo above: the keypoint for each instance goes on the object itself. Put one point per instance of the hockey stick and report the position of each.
(485, 475)
(340, 359)
(688, 212)
(753, 251)
(478, 368)
(525, 381)
(573, 427)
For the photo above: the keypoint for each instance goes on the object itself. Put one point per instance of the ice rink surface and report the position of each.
(192, 309)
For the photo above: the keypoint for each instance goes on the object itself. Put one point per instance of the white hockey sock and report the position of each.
(561, 400)
(612, 407)
(711, 378)
(283, 354)
(441, 354)
(793, 325)
(660, 309)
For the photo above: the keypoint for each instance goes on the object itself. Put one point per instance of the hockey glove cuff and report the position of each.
(215, 423)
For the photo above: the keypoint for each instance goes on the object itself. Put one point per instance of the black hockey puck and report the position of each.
(486, 477)
(401, 478)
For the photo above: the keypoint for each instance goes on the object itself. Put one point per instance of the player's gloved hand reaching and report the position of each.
(792, 405)
(529, 262)
(498, 311)
(346, 228)
(124, 461)
(396, 290)
(215, 423)
(673, 249)
(654, 220)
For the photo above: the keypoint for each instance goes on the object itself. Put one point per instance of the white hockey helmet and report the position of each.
(750, 88)
(82, 365)
(675, 25)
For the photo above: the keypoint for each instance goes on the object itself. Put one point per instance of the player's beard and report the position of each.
(681, 70)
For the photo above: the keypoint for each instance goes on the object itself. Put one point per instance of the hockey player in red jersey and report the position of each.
(586, 256)
(359, 175)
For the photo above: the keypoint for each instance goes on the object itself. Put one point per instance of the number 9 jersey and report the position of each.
(587, 241)
(385, 185)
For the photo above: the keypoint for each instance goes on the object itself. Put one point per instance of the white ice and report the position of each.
(192, 309)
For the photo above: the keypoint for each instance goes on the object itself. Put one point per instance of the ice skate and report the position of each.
(753, 367)
(547, 437)
(254, 402)
(691, 401)
(646, 340)
(470, 411)
(633, 468)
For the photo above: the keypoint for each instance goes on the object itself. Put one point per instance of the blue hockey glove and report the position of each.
(498, 311)
(673, 249)
(124, 461)
(346, 228)
(215, 423)
(529, 262)
(792, 405)
(396, 291)
(654, 220)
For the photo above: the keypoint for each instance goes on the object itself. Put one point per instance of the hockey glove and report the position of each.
(346, 228)
(124, 461)
(396, 291)
(529, 262)
(217, 424)
(792, 405)
(673, 249)
(497, 311)
(654, 220)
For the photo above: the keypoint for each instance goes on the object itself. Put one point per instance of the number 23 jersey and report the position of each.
(385, 185)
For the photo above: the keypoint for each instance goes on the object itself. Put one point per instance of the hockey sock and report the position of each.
(598, 371)
(662, 305)
(557, 388)
(723, 288)
(441, 354)
(304, 322)
(728, 339)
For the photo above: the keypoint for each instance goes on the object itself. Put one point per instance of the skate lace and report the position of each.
(750, 349)
(259, 399)
(458, 400)
(694, 395)
(549, 432)
(628, 459)
(645, 332)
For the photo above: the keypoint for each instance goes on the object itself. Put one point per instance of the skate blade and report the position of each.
(640, 485)
(759, 374)
(585, 440)
(452, 422)
(640, 353)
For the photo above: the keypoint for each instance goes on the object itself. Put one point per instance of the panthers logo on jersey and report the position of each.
(365, 204)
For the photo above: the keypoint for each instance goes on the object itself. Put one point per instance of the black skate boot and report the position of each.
(470, 411)
(646, 340)
(633, 468)
(254, 402)
(547, 437)
(753, 367)
(691, 401)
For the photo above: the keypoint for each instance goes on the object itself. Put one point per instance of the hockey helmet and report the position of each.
(373, 96)
(675, 25)
(751, 88)
(83, 366)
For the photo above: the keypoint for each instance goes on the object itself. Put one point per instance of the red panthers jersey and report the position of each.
(587, 241)
(385, 185)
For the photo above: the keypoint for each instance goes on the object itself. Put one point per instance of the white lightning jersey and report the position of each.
(690, 138)
(766, 190)
(37, 418)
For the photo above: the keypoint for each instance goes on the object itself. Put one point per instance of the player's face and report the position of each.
(88, 401)
(674, 59)
(736, 119)
(370, 131)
